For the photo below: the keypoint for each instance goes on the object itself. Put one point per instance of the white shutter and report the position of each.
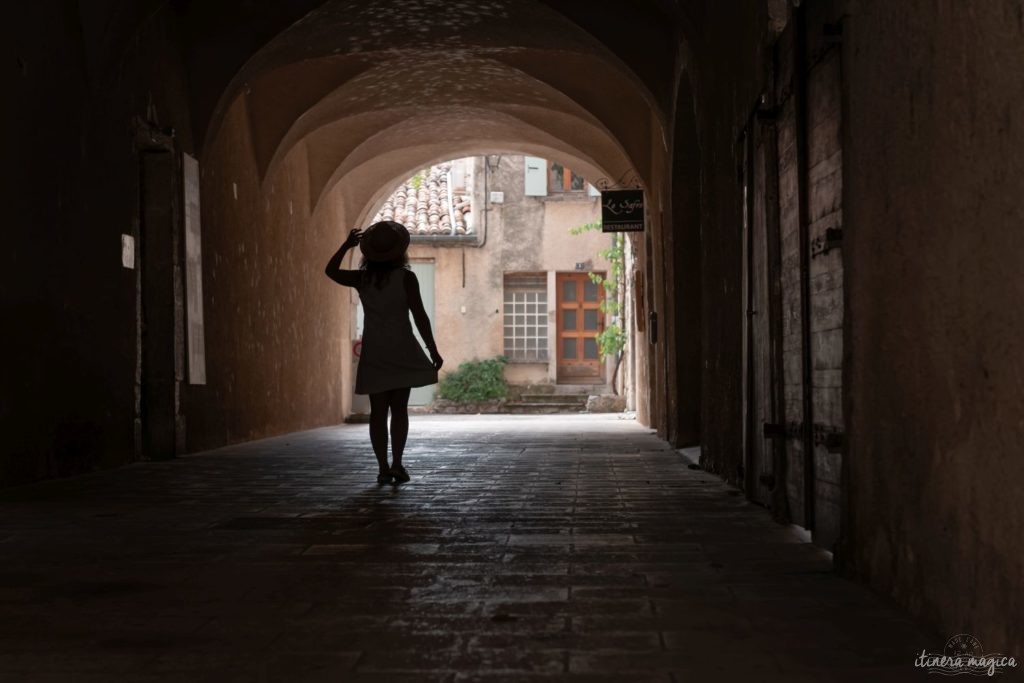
(536, 177)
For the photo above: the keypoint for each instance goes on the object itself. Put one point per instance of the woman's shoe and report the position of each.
(384, 478)
(400, 475)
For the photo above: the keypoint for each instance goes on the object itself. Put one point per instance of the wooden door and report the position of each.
(809, 144)
(579, 322)
(761, 374)
(791, 435)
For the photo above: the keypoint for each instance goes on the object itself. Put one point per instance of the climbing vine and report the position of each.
(612, 339)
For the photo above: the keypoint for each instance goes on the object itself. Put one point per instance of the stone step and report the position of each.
(554, 398)
(566, 400)
(534, 407)
(595, 388)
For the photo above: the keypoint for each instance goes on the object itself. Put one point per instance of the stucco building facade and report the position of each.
(504, 268)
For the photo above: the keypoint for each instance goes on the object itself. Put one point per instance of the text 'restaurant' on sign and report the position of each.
(622, 211)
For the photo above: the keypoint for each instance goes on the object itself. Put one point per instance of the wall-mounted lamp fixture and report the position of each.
(493, 161)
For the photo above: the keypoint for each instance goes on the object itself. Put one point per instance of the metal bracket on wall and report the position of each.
(766, 114)
(149, 137)
(829, 437)
(822, 244)
(629, 180)
(790, 430)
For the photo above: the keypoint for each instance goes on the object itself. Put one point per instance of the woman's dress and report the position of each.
(391, 356)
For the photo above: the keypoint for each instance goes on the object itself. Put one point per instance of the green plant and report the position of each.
(612, 339)
(479, 380)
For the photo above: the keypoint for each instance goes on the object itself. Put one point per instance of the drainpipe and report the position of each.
(486, 202)
(448, 198)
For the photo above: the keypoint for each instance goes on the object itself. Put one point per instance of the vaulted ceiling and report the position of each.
(372, 91)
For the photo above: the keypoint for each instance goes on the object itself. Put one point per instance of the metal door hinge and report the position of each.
(790, 430)
(822, 244)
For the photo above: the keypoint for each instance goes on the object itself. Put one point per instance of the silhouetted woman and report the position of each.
(392, 362)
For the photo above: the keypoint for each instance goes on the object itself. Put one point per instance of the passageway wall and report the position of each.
(73, 85)
(726, 65)
(934, 248)
(684, 427)
(277, 329)
(932, 251)
(88, 90)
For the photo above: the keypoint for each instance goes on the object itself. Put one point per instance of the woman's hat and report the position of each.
(384, 241)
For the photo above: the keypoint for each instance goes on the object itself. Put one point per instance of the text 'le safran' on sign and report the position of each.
(622, 211)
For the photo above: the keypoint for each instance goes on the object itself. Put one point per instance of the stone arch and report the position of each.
(411, 159)
(492, 132)
(555, 81)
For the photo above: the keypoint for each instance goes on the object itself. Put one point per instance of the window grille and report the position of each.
(526, 317)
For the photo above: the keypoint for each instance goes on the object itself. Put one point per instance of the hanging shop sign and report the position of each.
(622, 211)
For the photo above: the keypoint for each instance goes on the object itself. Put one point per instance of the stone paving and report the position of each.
(525, 548)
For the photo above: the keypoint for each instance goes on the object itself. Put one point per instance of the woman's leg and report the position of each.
(379, 428)
(398, 401)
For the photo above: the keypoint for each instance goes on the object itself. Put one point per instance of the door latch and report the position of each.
(829, 437)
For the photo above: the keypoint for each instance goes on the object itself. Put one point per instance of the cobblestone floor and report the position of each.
(525, 548)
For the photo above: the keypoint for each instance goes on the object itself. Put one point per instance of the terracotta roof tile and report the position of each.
(422, 204)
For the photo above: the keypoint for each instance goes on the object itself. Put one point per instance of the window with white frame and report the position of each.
(526, 317)
(564, 180)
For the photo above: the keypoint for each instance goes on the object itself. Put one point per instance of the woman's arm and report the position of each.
(349, 278)
(419, 316)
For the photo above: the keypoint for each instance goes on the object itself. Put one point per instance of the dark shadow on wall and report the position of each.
(684, 425)
(70, 177)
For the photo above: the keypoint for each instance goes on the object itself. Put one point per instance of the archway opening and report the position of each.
(513, 266)
(315, 132)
